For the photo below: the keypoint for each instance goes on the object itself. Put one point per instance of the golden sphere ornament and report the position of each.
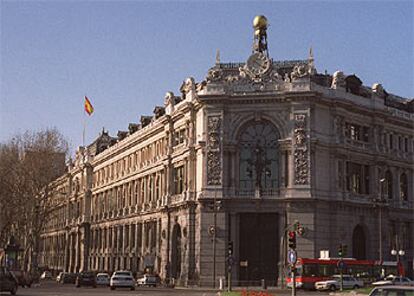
(260, 22)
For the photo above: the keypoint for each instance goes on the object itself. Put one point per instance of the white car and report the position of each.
(147, 280)
(394, 280)
(102, 279)
(122, 279)
(349, 282)
(392, 290)
(47, 275)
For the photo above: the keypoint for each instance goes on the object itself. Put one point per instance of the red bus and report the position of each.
(310, 271)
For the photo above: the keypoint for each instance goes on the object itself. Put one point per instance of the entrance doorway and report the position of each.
(259, 248)
(358, 243)
(176, 252)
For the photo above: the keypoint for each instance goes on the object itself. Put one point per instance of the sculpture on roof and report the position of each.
(188, 85)
(169, 98)
(378, 90)
(338, 80)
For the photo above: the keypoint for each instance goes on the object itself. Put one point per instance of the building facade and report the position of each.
(238, 158)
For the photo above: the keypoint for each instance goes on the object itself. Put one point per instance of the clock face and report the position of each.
(258, 64)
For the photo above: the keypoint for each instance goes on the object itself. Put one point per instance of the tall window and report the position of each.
(357, 178)
(258, 157)
(388, 188)
(157, 188)
(356, 132)
(403, 187)
(151, 188)
(179, 179)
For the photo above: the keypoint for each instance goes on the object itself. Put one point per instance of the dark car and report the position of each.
(24, 278)
(67, 278)
(148, 280)
(8, 282)
(86, 279)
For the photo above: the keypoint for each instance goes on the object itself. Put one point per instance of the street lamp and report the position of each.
(213, 232)
(379, 202)
(398, 253)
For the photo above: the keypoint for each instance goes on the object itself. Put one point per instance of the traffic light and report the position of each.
(344, 250)
(340, 250)
(292, 239)
(230, 248)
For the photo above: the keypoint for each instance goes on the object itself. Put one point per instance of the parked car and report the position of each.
(147, 280)
(46, 275)
(24, 278)
(122, 279)
(66, 278)
(102, 279)
(394, 280)
(59, 276)
(8, 282)
(86, 278)
(392, 290)
(349, 282)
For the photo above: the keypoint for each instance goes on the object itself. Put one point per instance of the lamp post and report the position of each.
(213, 232)
(379, 203)
(398, 253)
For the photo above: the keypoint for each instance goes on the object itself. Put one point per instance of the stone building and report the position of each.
(238, 158)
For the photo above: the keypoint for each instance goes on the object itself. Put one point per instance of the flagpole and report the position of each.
(84, 124)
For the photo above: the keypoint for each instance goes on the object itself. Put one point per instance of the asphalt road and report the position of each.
(53, 289)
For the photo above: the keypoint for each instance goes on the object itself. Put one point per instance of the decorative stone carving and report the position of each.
(301, 151)
(214, 74)
(169, 102)
(214, 150)
(145, 120)
(133, 127)
(169, 98)
(338, 80)
(378, 90)
(122, 135)
(299, 71)
(188, 85)
(286, 78)
(159, 111)
(188, 89)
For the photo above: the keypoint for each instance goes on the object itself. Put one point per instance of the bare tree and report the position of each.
(29, 163)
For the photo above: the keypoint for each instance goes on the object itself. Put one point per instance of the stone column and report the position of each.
(78, 251)
(144, 238)
(67, 254)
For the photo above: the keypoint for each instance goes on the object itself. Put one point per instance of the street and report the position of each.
(53, 289)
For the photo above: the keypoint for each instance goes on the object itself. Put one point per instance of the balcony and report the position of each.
(401, 204)
(251, 193)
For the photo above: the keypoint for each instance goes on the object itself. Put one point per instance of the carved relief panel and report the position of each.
(214, 161)
(301, 149)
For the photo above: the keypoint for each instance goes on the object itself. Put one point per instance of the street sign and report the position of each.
(244, 263)
(341, 264)
(292, 257)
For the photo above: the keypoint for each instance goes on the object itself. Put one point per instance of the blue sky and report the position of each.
(125, 55)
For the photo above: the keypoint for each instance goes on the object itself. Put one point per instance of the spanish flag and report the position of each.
(88, 106)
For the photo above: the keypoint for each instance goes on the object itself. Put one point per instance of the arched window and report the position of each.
(388, 185)
(258, 144)
(403, 187)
